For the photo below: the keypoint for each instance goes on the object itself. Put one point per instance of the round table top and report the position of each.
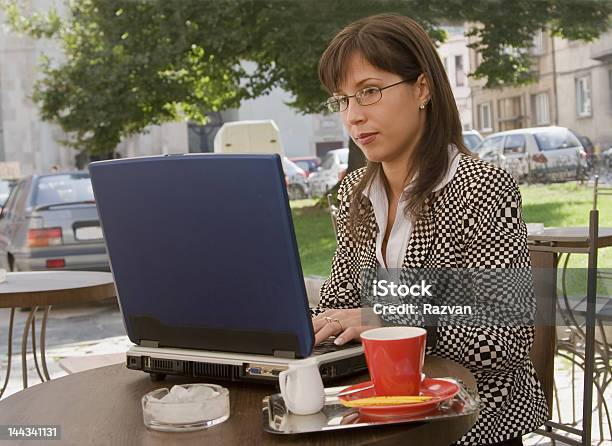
(41, 288)
(572, 236)
(102, 406)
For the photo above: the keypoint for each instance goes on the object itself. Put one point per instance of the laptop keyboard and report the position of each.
(329, 346)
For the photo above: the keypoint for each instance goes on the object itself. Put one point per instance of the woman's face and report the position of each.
(387, 130)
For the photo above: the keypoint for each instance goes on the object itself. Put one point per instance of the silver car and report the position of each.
(536, 154)
(471, 139)
(51, 222)
(296, 179)
(330, 172)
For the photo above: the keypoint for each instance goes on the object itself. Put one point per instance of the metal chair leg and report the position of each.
(10, 352)
(573, 390)
(558, 404)
(34, 350)
(43, 338)
(24, 348)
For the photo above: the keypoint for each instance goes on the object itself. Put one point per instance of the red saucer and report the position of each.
(438, 388)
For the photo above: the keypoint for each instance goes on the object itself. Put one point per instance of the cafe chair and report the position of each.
(581, 346)
(599, 190)
(571, 345)
(571, 338)
(333, 212)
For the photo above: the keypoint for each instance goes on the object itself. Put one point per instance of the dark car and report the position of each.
(51, 222)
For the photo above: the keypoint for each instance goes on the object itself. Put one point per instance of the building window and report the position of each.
(610, 87)
(538, 43)
(541, 108)
(459, 72)
(485, 120)
(478, 58)
(510, 113)
(583, 96)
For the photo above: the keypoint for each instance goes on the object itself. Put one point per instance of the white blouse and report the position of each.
(402, 226)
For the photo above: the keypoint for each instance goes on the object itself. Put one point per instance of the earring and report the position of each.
(422, 106)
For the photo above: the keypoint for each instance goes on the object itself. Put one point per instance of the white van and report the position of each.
(249, 137)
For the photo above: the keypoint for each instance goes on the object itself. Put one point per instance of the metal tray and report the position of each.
(276, 419)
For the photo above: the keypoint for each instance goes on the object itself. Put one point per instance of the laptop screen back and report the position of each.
(203, 252)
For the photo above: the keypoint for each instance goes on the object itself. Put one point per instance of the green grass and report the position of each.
(567, 204)
(564, 204)
(315, 236)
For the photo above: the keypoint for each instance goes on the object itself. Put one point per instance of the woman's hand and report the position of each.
(346, 325)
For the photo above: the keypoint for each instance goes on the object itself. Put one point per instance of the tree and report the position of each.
(133, 63)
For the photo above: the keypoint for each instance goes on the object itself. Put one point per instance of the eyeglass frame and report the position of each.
(380, 90)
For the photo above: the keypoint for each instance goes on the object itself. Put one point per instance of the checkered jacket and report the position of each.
(473, 222)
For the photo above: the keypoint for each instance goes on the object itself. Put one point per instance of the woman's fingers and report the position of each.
(325, 332)
(318, 324)
(321, 320)
(348, 335)
(343, 322)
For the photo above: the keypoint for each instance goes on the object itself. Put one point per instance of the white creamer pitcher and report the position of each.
(302, 388)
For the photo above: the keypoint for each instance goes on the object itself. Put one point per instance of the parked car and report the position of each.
(296, 179)
(51, 222)
(309, 164)
(606, 157)
(539, 153)
(332, 169)
(5, 189)
(471, 139)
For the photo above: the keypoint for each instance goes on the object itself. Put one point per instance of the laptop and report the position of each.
(206, 267)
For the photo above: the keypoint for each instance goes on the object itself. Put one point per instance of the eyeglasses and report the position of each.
(365, 96)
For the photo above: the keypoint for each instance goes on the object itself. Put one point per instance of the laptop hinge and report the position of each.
(284, 354)
(147, 343)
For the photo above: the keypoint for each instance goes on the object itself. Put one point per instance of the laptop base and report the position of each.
(160, 362)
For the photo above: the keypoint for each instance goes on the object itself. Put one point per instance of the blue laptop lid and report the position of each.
(203, 252)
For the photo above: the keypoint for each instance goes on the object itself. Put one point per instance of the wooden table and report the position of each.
(572, 239)
(102, 406)
(42, 289)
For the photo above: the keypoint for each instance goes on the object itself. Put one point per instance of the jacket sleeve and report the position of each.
(495, 253)
(341, 290)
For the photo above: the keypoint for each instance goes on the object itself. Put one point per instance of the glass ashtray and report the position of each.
(187, 407)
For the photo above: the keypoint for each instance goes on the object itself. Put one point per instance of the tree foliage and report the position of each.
(133, 63)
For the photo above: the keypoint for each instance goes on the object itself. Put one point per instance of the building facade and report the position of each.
(508, 108)
(301, 135)
(35, 144)
(455, 56)
(573, 89)
(584, 80)
(26, 139)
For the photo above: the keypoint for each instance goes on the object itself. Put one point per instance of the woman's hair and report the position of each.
(398, 44)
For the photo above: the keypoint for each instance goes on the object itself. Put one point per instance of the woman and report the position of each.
(423, 201)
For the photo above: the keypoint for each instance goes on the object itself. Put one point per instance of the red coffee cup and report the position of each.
(395, 357)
